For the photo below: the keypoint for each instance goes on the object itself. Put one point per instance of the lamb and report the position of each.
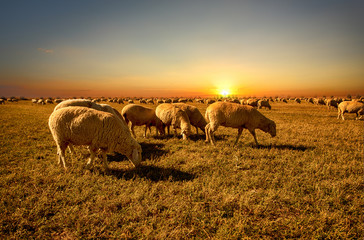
(264, 103)
(95, 129)
(172, 115)
(194, 115)
(139, 115)
(236, 116)
(350, 107)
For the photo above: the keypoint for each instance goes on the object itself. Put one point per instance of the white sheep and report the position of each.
(350, 107)
(194, 115)
(172, 115)
(236, 116)
(139, 116)
(95, 129)
(89, 104)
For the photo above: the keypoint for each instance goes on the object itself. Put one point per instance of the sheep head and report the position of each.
(272, 129)
(136, 155)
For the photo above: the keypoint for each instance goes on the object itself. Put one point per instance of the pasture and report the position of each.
(305, 183)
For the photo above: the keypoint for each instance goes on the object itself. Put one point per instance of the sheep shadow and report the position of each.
(153, 173)
(149, 151)
(283, 147)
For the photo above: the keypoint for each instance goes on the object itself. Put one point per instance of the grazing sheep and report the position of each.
(236, 116)
(331, 103)
(139, 116)
(2, 101)
(95, 129)
(172, 115)
(319, 101)
(350, 107)
(194, 115)
(89, 104)
(252, 102)
(264, 103)
(209, 101)
(41, 101)
(150, 101)
(297, 100)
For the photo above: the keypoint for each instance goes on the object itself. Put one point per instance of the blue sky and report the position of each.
(167, 48)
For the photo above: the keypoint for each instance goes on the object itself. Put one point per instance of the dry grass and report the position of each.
(305, 183)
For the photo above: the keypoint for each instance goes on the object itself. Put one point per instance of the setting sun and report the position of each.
(224, 92)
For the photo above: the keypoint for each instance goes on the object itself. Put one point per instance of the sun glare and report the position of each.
(224, 92)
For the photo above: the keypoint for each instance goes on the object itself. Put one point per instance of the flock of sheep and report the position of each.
(103, 129)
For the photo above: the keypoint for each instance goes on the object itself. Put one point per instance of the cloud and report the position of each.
(45, 50)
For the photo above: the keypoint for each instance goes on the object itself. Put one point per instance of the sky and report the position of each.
(184, 48)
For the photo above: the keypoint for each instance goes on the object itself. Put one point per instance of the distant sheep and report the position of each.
(2, 101)
(252, 102)
(172, 115)
(139, 116)
(194, 115)
(95, 129)
(236, 116)
(297, 100)
(350, 107)
(331, 103)
(264, 103)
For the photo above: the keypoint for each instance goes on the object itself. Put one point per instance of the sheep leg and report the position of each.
(240, 130)
(145, 130)
(252, 131)
(104, 158)
(196, 130)
(90, 162)
(210, 133)
(207, 133)
(168, 130)
(132, 130)
(71, 149)
(61, 152)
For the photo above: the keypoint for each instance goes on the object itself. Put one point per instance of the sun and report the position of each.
(224, 92)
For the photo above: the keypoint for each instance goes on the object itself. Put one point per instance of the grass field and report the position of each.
(305, 183)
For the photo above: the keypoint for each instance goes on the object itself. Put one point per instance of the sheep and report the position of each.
(350, 107)
(297, 100)
(252, 102)
(331, 103)
(209, 101)
(264, 103)
(139, 115)
(95, 129)
(2, 101)
(194, 115)
(150, 101)
(236, 116)
(89, 104)
(172, 115)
